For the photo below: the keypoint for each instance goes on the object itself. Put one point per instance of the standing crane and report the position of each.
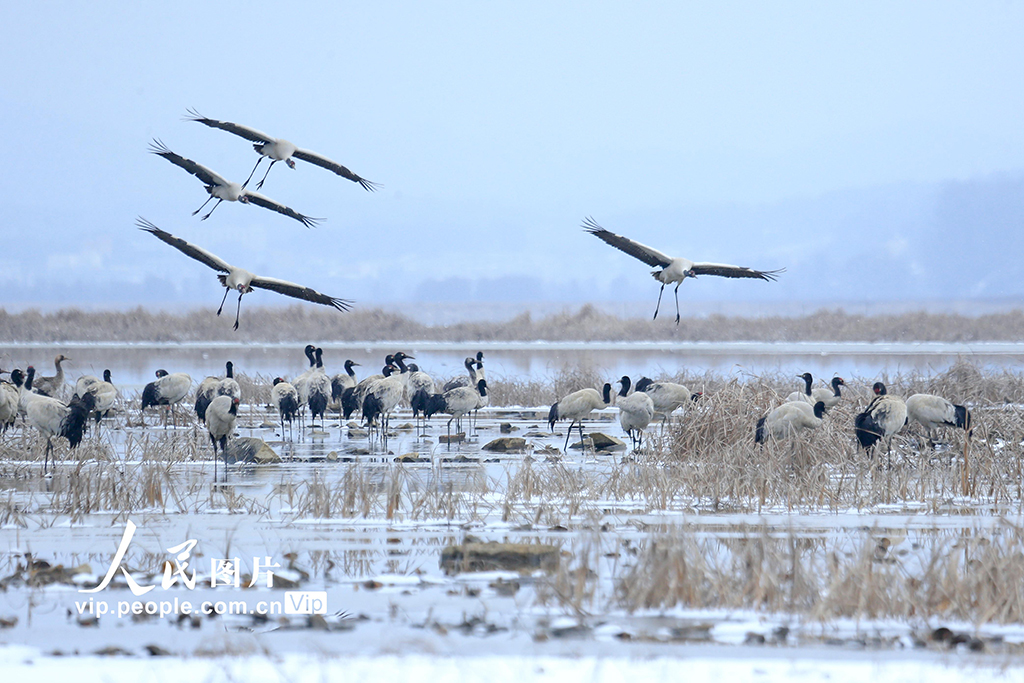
(883, 417)
(576, 406)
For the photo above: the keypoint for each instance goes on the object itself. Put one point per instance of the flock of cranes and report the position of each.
(883, 417)
(668, 269)
(221, 189)
(376, 397)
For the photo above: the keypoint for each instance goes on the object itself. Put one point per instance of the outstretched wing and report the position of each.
(241, 131)
(324, 162)
(724, 270)
(648, 255)
(268, 203)
(299, 292)
(198, 170)
(198, 253)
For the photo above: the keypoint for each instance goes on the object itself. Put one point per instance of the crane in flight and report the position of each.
(670, 269)
(277, 149)
(241, 280)
(221, 189)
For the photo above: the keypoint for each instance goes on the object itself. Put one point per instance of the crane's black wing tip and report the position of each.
(157, 146)
(591, 226)
(194, 115)
(772, 275)
(143, 224)
(369, 185)
(343, 305)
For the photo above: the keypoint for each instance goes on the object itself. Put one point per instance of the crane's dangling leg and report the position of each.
(260, 184)
(213, 209)
(239, 309)
(568, 433)
(258, 162)
(656, 308)
(583, 445)
(226, 290)
(204, 204)
(677, 301)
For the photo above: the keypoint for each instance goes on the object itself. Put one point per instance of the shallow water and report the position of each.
(133, 365)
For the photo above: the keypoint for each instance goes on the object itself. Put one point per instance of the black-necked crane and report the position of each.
(382, 397)
(54, 385)
(285, 397)
(301, 381)
(669, 269)
(220, 424)
(789, 419)
(234, 278)
(318, 390)
(636, 411)
(884, 416)
(468, 380)
(103, 391)
(419, 388)
(351, 401)
(457, 402)
(577, 406)
(169, 389)
(277, 150)
(805, 395)
(56, 418)
(211, 387)
(830, 397)
(480, 374)
(667, 396)
(224, 190)
(398, 367)
(932, 412)
(340, 382)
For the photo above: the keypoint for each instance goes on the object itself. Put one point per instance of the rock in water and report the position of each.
(248, 449)
(506, 444)
(602, 442)
(483, 557)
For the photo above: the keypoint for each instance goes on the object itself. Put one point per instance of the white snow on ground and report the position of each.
(20, 663)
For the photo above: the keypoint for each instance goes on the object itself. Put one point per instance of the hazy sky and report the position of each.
(493, 127)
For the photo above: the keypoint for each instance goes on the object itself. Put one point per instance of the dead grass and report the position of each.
(302, 323)
(975, 576)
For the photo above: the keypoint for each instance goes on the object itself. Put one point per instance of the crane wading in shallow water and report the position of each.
(277, 150)
(239, 279)
(221, 189)
(671, 269)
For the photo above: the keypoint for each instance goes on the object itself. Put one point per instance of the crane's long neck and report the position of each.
(607, 393)
(626, 384)
(807, 384)
(835, 387)
(349, 370)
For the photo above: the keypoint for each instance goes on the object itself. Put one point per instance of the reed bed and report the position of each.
(302, 323)
(975, 576)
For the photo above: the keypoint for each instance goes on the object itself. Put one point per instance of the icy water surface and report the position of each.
(379, 566)
(133, 365)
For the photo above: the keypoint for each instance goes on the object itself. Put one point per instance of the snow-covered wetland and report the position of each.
(702, 553)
